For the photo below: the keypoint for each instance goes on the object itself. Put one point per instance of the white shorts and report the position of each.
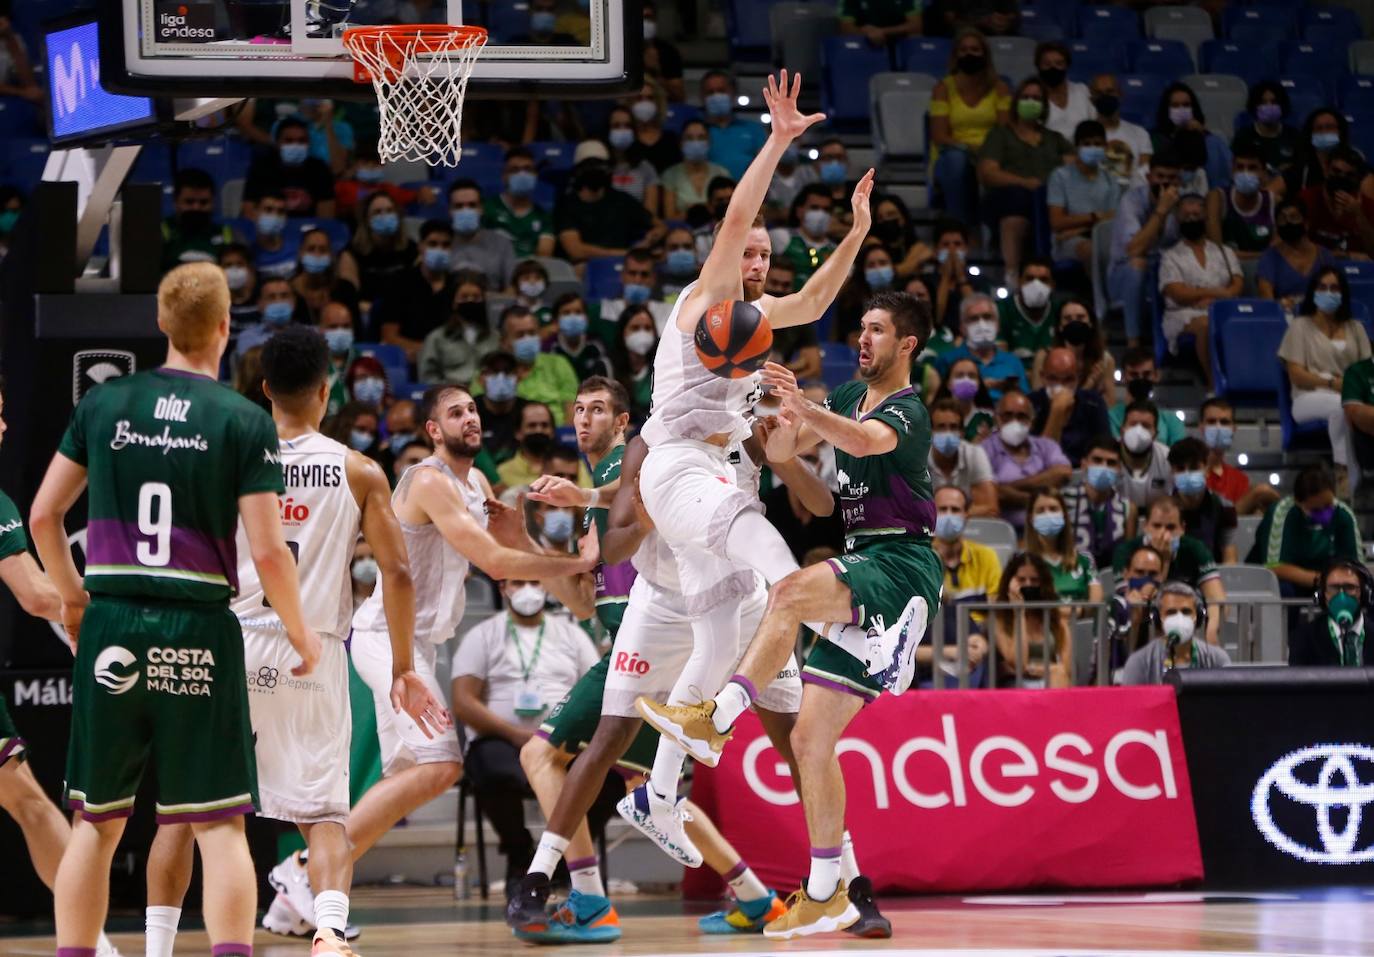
(302, 728)
(655, 640)
(689, 491)
(403, 744)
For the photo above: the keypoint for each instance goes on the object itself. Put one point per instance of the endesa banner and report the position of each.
(978, 790)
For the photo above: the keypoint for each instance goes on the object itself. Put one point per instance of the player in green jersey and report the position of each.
(173, 462)
(888, 579)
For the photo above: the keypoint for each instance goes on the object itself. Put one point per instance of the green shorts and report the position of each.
(11, 745)
(572, 722)
(882, 577)
(160, 680)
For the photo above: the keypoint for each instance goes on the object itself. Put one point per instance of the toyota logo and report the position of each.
(1325, 777)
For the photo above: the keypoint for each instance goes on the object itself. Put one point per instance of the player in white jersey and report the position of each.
(716, 535)
(301, 725)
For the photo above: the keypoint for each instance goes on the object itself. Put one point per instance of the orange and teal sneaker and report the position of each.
(581, 919)
(745, 917)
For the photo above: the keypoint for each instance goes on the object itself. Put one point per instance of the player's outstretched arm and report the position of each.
(62, 486)
(506, 525)
(811, 301)
(627, 525)
(260, 513)
(869, 437)
(34, 591)
(720, 274)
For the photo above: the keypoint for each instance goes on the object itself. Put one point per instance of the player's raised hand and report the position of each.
(780, 380)
(863, 215)
(559, 491)
(409, 694)
(589, 548)
(788, 122)
(307, 645)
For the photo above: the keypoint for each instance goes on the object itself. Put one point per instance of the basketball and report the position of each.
(733, 339)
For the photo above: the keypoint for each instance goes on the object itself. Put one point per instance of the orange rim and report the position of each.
(454, 36)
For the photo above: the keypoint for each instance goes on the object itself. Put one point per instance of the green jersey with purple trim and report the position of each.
(612, 581)
(13, 540)
(888, 494)
(168, 454)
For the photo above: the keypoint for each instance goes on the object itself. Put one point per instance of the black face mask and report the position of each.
(1292, 233)
(889, 231)
(971, 63)
(1053, 76)
(1192, 229)
(1342, 184)
(472, 312)
(1107, 104)
(594, 179)
(1030, 593)
(194, 221)
(536, 443)
(1140, 389)
(1077, 333)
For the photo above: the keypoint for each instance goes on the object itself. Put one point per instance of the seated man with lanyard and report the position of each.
(1336, 638)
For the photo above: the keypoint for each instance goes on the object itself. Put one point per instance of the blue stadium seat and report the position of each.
(553, 156)
(1362, 134)
(1331, 26)
(393, 360)
(1357, 270)
(1259, 24)
(747, 25)
(1140, 94)
(602, 278)
(19, 117)
(1305, 94)
(508, 20)
(1244, 335)
(1038, 25)
(850, 62)
(837, 364)
(224, 157)
(1168, 58)
(154, 164)
(337, 231)
(1357, 94)
(1360, 312)
(23, 161)
(1090, 59)
(480, 161)
(1250, 63)
(928, 55)
(678, 115)
(1299, 58)
(1108, 24)
(1065, 11)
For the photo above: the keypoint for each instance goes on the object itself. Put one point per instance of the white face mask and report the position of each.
(1053, 389)
(365, 571)
(1035, 293)
(1014, 434)
(1180, 625)
(982, 331)
(527, 600)
(1137, 438)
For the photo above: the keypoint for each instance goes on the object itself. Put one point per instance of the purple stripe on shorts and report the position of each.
(196, 817)
(735, 871)
(815, 679)
(582, 863)
(825, 852)
(232, 950)
(79, 808)
(541, 733)
(12, 747)
(76, 952)
(746, 684)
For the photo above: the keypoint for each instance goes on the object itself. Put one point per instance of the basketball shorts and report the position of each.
(301, 726)
(162, 680)
(883, 576)
(572, 722)
(12, 746)
(689, 490)
(655, 641)
(402, 743)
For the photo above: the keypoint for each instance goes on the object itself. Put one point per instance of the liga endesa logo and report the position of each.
(1068, 766)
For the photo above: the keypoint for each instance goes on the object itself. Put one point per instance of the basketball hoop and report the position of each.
(420, 74)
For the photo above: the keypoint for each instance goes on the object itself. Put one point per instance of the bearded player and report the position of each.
(889, 579)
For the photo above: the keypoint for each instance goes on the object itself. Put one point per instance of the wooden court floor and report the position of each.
(415, 922)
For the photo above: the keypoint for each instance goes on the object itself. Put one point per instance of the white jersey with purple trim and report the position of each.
(689, 402)
(320, 518)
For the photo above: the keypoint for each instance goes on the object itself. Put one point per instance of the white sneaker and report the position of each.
(104, 948)
(290, 877)
(892, 652)
(281, 918)
(662, 820)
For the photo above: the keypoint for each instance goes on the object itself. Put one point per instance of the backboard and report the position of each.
(239, 48)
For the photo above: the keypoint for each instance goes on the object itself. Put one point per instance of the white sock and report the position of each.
(548, 854)
(586, 876)
(745, 883)
(849, 864)
(825, 873)
(667, 770)
(852, 638)
(734, 699)
(331, 911)
(159, 929)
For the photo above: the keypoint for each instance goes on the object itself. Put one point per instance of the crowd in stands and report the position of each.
(556, 255)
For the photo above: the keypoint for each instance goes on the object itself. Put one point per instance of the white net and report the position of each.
(420, 75)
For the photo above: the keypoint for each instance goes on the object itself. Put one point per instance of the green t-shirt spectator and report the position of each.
(1071, 582)
(551, 380)
(1193, 563)
(524, 230)
(879, 13)
(1287, 536)
(615, 221)
(1015, 155)
(1023, 335)
(1357, 383)
(1171, 427)
(806, 258)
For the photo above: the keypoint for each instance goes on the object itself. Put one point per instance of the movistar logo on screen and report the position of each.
(79, 104)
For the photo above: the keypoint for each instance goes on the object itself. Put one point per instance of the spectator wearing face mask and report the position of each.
(649, 107)
(893, 227)
(685, 184)
(1177, 619)
(242, 280)
(797, 347)
(791, 176)
(367, 383)
(533, 439)
(1337, 637)
(1050, 537)
(277, 306)
(363, 571)
(1034, 645)
(1144, 459)
(637, 281)
(1194, 273)
(947, 277)
(531, 283)
(680, 265)
(592, 219)
(705, 219)
(304, 182)
(380, 248)
(1340, 210)
(734, 141)
(1217, 428)
(1185, 558)
(541, 376)
(1022, 463)
(956, 461)
(422, 298)
(484, 250)
(366, 179)
(1070, 415)
(191, 235)
(1078, 331)
(1323, 131)
(273, 247)
(587, 355)
(1069, 102)
(810, 245)
(1141, 375)
(881, 22)
(355, 425)
(498, 405)
(1095, 510)
(1027, 318)
(454, 352)
(1286, 268)
(336, 325)
(1302, 532)
(965, 107)
(972, 574)
(1206, 516)
(1000, 369)
(1144, 224)
(1242, 217)
(631, 172)
(1128, 144)
(632, 356)
(964, 385)
(1180, 122)
(1082, 193)
(1128, 612)
(1269, 136)
(324, 276)
(832, 164)
(873, 272)
(513, 212)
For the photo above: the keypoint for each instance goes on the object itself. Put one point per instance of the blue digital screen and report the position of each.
(79, 105)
